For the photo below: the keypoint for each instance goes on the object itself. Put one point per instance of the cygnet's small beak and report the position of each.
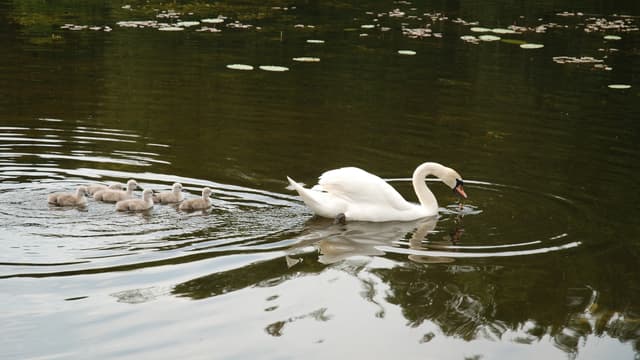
(460, 191)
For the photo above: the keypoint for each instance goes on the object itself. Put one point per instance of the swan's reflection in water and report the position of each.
(338, 242)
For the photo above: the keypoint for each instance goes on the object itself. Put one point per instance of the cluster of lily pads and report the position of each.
(413, 24)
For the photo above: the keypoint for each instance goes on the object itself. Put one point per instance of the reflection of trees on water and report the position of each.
(489, 301)
(524, 300)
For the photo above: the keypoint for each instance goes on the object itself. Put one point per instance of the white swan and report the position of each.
(109, 195)
(68, 199)
(167, 197)
(145, 203)
(198, 203)
(354, 194)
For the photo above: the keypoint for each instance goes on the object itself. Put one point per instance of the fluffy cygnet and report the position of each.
(110, 195)
(198, 203)
(69, 199)
(145, 203)
(92, 189)
(167, 197)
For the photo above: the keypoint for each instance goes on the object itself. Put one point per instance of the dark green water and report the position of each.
(541, 262)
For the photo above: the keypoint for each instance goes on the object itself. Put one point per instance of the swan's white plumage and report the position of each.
(362, 196)
(355, 185)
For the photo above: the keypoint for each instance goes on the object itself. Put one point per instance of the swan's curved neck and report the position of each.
(425, 196)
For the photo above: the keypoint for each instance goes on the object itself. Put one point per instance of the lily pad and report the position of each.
(306, 59)
(406, 52)
(480, 29)
(239, 67)
(171, 28)
(273, 68)
(514, 41)
(187, 23)
(531, 46)
(489, 38)
(213, 21)
(503, 31)
(619, 86)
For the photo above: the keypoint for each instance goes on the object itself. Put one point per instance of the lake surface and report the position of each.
(541, 261)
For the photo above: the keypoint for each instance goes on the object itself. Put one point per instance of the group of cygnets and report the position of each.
(125, 200)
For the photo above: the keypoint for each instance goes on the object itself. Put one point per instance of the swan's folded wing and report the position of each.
(358, 186)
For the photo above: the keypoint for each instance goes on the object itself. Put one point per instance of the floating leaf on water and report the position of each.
(503, 31)
(619, 86)
(239, 67)
(313, 41)
(531, 46)
(273, 68)
(612, 37)
(170, 28)
(306, 59)
(489, 38)
(480, 29)
(406, 52)
(187, 23)
(213, 20)
(513, 41)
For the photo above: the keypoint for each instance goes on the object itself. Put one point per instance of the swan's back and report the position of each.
(357, 186)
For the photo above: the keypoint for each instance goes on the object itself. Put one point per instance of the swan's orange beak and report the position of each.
(460, 191)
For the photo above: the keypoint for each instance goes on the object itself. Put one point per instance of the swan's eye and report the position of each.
(459, 182)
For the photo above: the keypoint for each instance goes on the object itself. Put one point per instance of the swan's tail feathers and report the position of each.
(294, 185)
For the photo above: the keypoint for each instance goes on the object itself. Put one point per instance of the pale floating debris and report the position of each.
(480, 29)
(364, 35)
(576, 60)
(567, 14)
(187, 23)
(136, 24)
(612, 37)
(217, 20)
(306, 59)
(107, 28)
(126, 7)
(406, 52)
(464, 22)
(95, 28)
(384, 29)
(367, 26)
(396, 13)
(470, 39)
(239, 67)
(170, 28)
(619, 86)
(417, 33)
(313, 41)
(238, 25)
(531, 46)
(273, 68)
(503, 31)
(489, 38)
(169, 14)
